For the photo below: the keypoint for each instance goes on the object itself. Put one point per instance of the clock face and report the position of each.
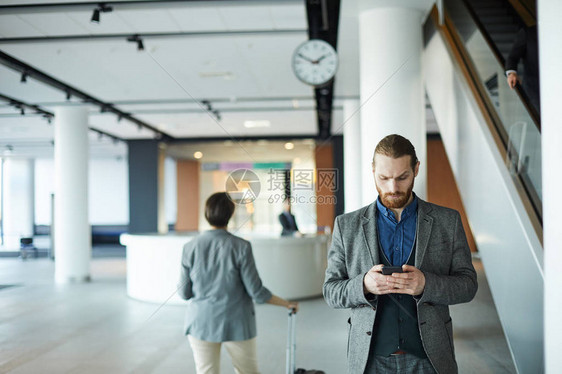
(315, 62)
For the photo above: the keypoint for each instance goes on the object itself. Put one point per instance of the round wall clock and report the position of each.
(315, 62)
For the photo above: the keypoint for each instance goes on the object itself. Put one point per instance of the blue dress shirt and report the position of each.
(397, 239)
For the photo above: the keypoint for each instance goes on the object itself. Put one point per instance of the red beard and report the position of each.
(396, 200)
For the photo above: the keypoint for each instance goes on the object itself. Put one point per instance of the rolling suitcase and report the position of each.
(291, 347)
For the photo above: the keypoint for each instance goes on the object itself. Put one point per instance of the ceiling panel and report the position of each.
(123, 129)
(288, 16)
(51, 24)
(12, 26)
(264, 55)
(238, 73)
(232, 124)
(30, 92)
(247, 17)
(30, 128)
(110, 23)
(198, 19)
(147, 21)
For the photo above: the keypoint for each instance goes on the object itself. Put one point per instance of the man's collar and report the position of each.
(409, 210)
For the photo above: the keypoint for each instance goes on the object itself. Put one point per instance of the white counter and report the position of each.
(290, 267)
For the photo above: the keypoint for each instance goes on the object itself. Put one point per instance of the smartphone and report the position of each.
(387, 270)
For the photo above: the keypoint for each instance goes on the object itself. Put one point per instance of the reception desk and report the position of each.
(290, 267)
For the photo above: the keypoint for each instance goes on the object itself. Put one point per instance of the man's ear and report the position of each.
(417, 169)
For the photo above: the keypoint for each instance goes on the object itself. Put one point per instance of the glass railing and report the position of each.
(518, 131)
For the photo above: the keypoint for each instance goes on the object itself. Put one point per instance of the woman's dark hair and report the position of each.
(218, 209)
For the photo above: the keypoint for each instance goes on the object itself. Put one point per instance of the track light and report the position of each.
(95, 16)
(217, 114)
(23, 78)
(207, 105)
(136, 39)
(102, 8)
(68, 96)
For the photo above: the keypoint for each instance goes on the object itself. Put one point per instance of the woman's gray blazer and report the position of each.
(219, 278)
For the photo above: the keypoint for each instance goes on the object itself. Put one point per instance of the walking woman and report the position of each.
(220, 280)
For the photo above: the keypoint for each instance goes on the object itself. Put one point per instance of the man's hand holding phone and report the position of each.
(410, 281)
(382, 280)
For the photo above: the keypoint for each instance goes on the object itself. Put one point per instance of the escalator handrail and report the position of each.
(534, 210)
(533, 113)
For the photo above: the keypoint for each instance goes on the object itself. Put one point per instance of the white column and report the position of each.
(550, 54)
(392, 97)
(352, 155)
(19, 201)
(72, 229)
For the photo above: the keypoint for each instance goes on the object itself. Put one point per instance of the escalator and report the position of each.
(492, 137)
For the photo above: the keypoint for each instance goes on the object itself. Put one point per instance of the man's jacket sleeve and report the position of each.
(341, 291)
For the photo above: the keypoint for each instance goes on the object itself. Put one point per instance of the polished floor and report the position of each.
(95, 328)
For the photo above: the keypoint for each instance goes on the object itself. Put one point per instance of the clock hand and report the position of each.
(305, 58)
(321, 58)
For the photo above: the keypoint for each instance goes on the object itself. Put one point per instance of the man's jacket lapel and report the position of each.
(425, 222)
(370, 233)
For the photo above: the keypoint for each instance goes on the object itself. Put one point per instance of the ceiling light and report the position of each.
(23, 78)
(103, 8)
(296, 104)
(217, 114)
(136, 39)
(95, 16)
(289, 145)
(207, 105)
(227, 75)
(9, 150)
(257, 123)
(198, 155)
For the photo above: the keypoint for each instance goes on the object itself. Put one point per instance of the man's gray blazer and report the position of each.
(220, 279)
(442, 254)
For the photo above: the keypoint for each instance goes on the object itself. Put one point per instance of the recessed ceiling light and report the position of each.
(228, 75)
(296, 104)
(289, 145)
(198, 155)
(257, 123)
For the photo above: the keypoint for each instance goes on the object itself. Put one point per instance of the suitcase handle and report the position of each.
(291, 342)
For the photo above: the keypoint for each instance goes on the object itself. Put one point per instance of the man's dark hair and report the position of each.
(396, 146)
(219, 209)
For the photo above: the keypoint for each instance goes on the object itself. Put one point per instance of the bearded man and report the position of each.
(400, 322)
